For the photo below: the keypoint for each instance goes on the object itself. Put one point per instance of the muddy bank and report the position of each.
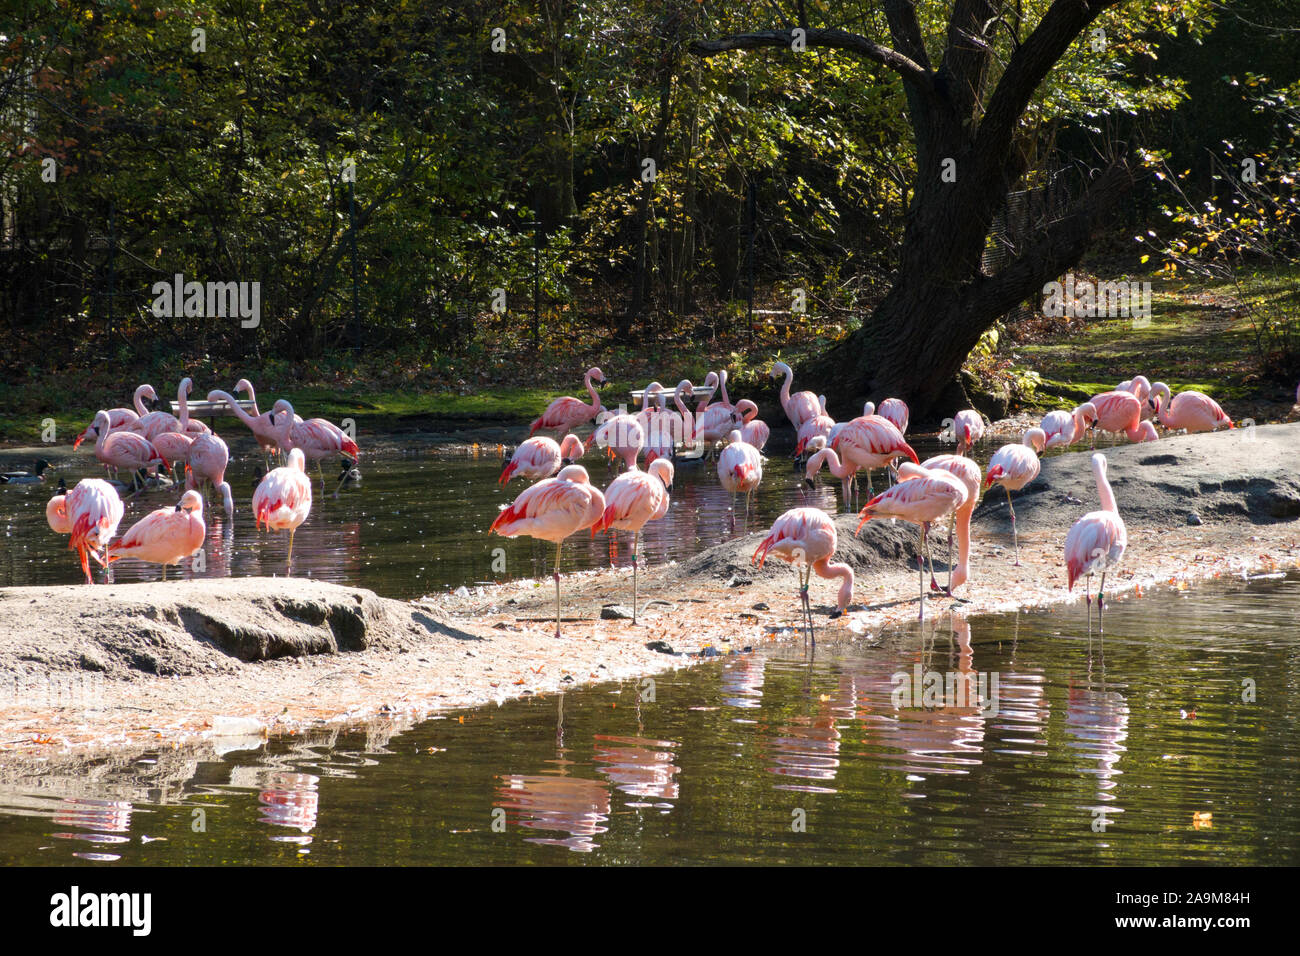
(93, 673)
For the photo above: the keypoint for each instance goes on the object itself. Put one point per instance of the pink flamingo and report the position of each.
(798, 407)
(740, 469)
(541, 457)
(316, 437)
(671, 427)
(1013, 467)
(713, 422)
(568, 412)
(622, 434)
(1140, 386)
(819, 425)
(123, 449)
(551, 510)
(871, 442)
(283, 499)
(896, 410)
(1097, 541)
(166, 536)
(922, 496)
(754, 431)
(173, 447)
(262, 426)
(90, 514)
(968, 473)
(822, 455)
(633, 499)
(806, 537)
(119, 418)
(968, 427)
(1118, 412)
(1065, 428)
(207, 463)
(1147, 432)
(724, 401)
(1191, 410)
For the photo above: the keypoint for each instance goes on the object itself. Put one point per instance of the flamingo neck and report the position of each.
(139, 400)
(826, 568)
(247, 419)
(252, 397)
(185, 408)
(1104, 491)
(591, 390)
(785, 387)
(722, 387)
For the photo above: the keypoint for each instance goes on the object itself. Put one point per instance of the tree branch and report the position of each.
(905, 66)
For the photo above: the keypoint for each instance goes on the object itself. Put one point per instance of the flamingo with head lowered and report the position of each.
(119, 418)
(922, 496)
(541, 457)
(89, 514)
(806, 538)
(316, 437)
(166, 536)
(1190, 410)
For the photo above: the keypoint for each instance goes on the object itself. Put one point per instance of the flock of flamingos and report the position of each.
(563, 501)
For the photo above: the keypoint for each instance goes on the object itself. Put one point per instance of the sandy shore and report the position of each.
(119, 669)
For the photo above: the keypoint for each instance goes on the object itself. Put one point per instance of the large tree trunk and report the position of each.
(967, 161)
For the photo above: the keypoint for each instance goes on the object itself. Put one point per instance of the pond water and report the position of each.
(1173, 740)
(417, 523)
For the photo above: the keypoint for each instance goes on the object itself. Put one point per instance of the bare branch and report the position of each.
(905, 66)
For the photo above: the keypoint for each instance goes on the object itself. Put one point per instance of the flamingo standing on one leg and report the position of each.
(90, 514)
(1013, 467)
(553, 509)
(623, 435)
(922, 496)
(165, 536)
(740, 469)
(567, 413)
(283, 499)
(1096, 541)
(633, 499)
(968, 428)
(1192, 410)
(806, 538)
(541, 457)
(968, 473)
(800, 406)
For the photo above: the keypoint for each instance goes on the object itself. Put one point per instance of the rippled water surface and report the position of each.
(1172, 740)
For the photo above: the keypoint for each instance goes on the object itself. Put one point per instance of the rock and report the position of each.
(615, 612)
(736, 581)
(1193, 518)
(237, 726)
(662, 647)
(760, 606)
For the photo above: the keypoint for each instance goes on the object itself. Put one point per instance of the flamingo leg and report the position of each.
(635, 536)
(288, 565)
(558, 545)
(1015, 536)
(920, 567)
(85, 565)
(1101, 601)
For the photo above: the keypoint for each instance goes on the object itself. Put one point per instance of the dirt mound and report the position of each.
(197, 626)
